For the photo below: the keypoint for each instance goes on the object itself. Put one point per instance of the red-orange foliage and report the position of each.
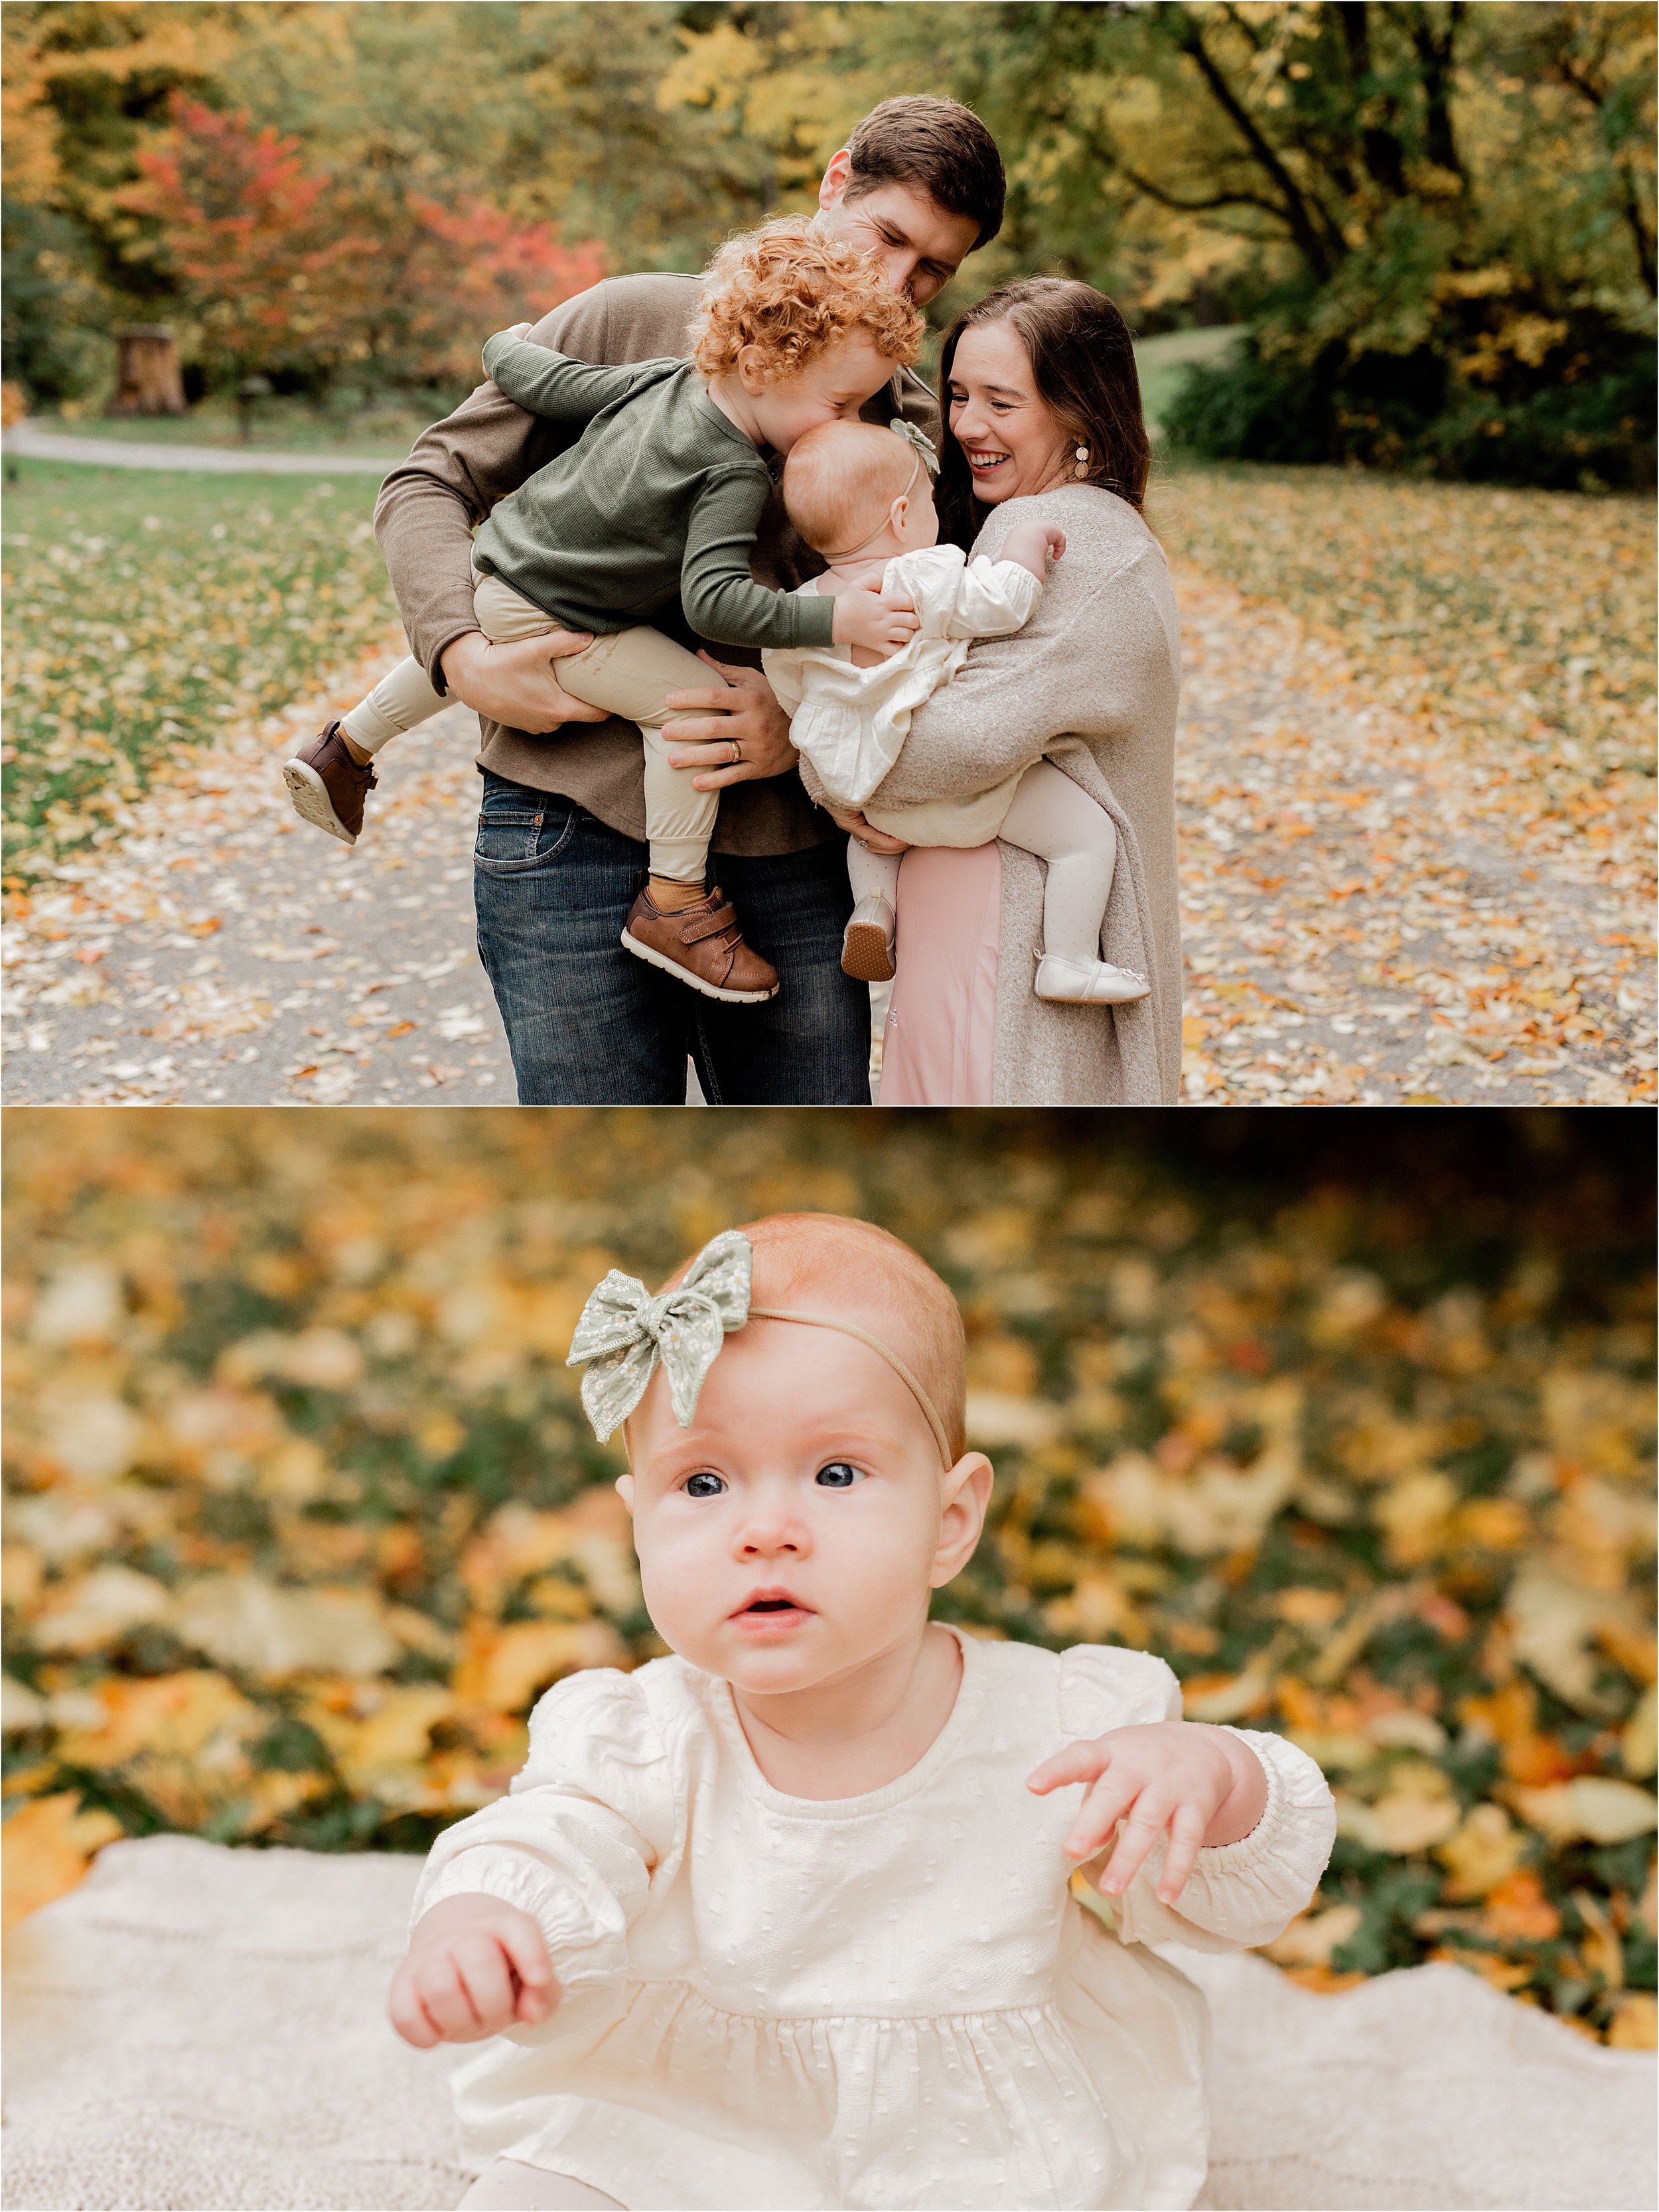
(474, 269)
(285, 267)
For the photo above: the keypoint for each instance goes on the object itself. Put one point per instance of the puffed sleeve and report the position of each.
(575, 1840)
(1237, 1895)
(994, 598)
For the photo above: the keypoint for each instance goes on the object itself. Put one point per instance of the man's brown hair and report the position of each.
(939, 148)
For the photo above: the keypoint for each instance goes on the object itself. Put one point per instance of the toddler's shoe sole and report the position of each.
(866, 954)
(631, 944)
(311, 802)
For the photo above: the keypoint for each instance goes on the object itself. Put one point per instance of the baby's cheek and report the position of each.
(679, 1596)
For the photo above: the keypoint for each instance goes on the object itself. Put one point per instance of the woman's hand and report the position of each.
(866, 617)
(476, 1966)
(743, 711)
(514, 685)
(1205, 1787)
(873, 840)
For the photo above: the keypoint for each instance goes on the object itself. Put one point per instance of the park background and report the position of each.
(1351, 1421)
(1392, 272)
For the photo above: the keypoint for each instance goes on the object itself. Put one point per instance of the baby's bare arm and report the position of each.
(476, 1966)
(1028, 545)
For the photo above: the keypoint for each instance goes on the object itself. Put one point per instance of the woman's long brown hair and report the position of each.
(1083, 361)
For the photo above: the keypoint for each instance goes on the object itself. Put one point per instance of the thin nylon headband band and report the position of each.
(847, 1328)
(909, 483)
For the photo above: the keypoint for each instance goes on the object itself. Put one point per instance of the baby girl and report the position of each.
(860, 497)
(785, 1918)
(658, 500)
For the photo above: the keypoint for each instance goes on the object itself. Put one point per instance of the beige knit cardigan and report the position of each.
(1092, 681)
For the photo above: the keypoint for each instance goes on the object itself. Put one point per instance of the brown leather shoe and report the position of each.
(327, 785)
(703, 946)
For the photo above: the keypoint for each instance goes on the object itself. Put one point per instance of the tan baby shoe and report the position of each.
(702, 945)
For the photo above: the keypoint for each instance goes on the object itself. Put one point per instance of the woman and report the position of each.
(1042, 411)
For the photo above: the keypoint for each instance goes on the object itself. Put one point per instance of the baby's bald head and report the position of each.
(850, 1269)
(839, 483)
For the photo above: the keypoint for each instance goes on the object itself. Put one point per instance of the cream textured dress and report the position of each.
(885, 2001)
(851, 722)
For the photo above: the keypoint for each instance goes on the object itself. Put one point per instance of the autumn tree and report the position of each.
(290, 272)
(1452, 210)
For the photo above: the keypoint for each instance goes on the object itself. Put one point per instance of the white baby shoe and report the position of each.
(867, 949)
(1087, 983)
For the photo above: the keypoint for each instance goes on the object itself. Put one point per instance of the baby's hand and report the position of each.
(1029, 545)
(1204, 1786)
(476, 1966)
(864, 617)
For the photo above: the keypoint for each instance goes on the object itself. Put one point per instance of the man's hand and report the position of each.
(1204, 1786)
(873, 840)
(476, 1966)
(743, 711)
(515, 684)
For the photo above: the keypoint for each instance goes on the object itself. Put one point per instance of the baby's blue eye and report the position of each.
(838, 1476)
(704, 1485)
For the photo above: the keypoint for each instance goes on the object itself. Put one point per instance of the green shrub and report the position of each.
(1583, 419)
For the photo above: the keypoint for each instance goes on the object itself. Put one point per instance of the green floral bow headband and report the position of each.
(625, 1332)
(923, 446)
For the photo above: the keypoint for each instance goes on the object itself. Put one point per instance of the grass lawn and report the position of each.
(385, 431)
(147, 610)
(1162, 362)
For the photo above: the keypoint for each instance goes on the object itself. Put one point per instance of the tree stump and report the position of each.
(148, 380)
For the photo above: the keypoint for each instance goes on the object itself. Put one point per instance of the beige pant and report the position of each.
(628, 673)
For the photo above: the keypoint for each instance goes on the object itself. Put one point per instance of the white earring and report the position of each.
(1082, 468)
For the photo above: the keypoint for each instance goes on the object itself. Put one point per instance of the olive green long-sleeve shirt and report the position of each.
(660, 499)
(462, 468)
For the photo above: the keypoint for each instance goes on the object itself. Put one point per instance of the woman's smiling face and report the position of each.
(794, 1532)
(1013, 444)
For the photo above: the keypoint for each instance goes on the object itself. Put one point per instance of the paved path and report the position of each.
(1366, 919)
(1359, 927)
(227, 953)
(27, 438)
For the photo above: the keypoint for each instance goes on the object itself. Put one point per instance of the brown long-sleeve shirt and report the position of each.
(458, 469)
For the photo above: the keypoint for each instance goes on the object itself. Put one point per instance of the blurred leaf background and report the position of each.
(1352, 1424)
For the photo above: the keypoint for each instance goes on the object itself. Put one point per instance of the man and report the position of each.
(560, 856)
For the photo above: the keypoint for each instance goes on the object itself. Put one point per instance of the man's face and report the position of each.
(918, 246)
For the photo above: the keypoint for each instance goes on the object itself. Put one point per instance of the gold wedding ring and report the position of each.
(736, 751)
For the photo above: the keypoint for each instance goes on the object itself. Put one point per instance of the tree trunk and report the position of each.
(148, 381)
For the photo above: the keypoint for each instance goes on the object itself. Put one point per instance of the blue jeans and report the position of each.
(588, 1023)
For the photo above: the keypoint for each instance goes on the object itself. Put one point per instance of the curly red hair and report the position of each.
(792, 295)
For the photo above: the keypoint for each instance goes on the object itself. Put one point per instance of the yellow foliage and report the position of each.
(1484, 1852)
(288, 1562)
(44, 1848)
(503, 1669)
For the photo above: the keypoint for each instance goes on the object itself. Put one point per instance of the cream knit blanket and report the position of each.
(201, 2027)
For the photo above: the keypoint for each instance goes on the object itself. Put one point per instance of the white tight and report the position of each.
(1057, 820)
(509, 2186)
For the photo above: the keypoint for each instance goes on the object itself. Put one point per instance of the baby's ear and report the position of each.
(625, 1491)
